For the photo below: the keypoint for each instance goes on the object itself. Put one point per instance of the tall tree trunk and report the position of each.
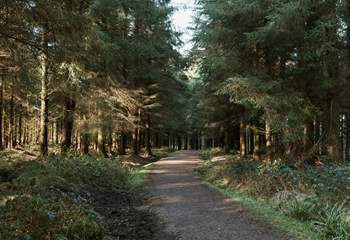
(203, 145)
(55, 132)
(135, 135)
(135, 141)
(242, 140)
(12, 120)
(179, 146)
(44, 112)
(101, 142)
(148, 135)
(85, 136)
(122, 144)
(101, 135)
(140, 137)
(185, 142)
(334, 127)
(256, 151)
(227, 141)
(20, 128)
(68, 122)
(268, 140)
(157, 140)
(1, 111)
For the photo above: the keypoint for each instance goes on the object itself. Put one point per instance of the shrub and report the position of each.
(206, 155)
(72, 173)
(49, 200)
(211, 153)
(36, 217)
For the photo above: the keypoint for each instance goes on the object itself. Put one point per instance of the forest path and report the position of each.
(193, 210)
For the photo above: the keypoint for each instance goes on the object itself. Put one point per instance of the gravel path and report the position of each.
(192, 210)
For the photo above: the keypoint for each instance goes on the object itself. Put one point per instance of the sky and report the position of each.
(183, 20)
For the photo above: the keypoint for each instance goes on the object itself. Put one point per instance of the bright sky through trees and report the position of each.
(183, 20)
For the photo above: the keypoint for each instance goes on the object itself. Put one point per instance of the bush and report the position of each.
(211, 153)
(36, 217)
(206, 155)
(71, 173)
(50, 200)
(328, 183)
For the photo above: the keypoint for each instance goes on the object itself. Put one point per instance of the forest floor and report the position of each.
(74, 197)
(191, 209)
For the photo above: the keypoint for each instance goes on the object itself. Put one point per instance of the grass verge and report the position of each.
(266, 211)
(260, 208)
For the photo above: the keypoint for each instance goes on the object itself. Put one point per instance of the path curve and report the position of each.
(194, 211)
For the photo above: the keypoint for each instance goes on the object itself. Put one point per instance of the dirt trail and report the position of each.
(192, 210)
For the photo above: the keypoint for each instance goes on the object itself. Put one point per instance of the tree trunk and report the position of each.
(179, 143)
(334, 127)
(122, 144)
(148, 135)
(1, 112)
(101, 142)
(256, 151)
(68, 122)
(203, 147)
(20, 129)
(85, 136)
(242, 140)
(268, 138)
(85, 140)
(135, 141)
(12, 121)
(44, 112)
(227, 142)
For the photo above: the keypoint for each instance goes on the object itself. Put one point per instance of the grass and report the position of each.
(266, 211)
(54, 199)
(302, 200)
(162, 153)
(47, 200)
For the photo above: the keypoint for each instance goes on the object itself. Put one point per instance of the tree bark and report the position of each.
(242, 140)
(44, 112)
(148, 135)
(333, 138)
(227, 142)
(101, 142)
(135, 141)
(256, 151)
(122, 144)
(1, 111)
(12, 121)
(20, 128)
(268, 138)
(68, 122)
(179, 143)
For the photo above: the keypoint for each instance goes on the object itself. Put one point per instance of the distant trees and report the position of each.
(277, 73)
(88, 74)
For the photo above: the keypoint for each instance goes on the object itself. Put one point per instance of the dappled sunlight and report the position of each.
(177, 162)
(5, 199)
(180, 185)
(155, 171)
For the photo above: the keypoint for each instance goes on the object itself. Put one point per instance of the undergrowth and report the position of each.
(315, 196)
(51, 199)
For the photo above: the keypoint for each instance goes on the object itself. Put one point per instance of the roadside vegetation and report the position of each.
(73, 197)
(306, 200)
